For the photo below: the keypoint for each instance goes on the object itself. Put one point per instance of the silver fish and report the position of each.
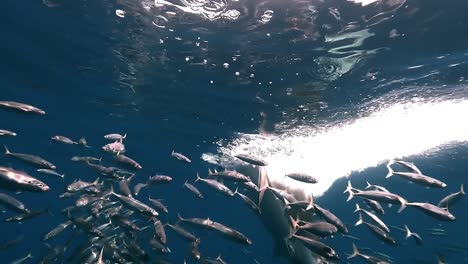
(128, 161)
(158, 204)
(386, 197)
(377, 231)
(31, 159)
(85, 159)
(194, 251)
(318, 247)
(374, 205)
(182, 232)
(229, 175)
(79, 185)
(159, 179)
(251, 159)
(409, 234)
(64, 140)
(216, 185)
(138, 187)
(331, 218)
(376, 187)
(231, 233)
(135, 204)
(407, 165)
(57, 230)
(247, 200)
(368, 258)
(51, 172)
(115, 137)
(302, 177)
(450, 199)
(417, 178)
(252, 186)
(22, 181)
(4, 132)
(374, 217)
(114, 148)
(159, 230)
(320, 228)
(83, 142)
(13, 203)
(193, 189)
(180, 156)
(434, 211)
(21, 107)
(23, 259)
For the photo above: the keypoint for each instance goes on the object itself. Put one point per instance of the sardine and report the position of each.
(51, 172)
(229, 175)
(418, 178)
(302, 177)
(128, 161)
(64, 140)
(367, 258)
(450, 199)
(377, 231)
(331, 218)
(193, 189)
(13, 203)
(386, 197)
(36, 160)
(4, 132)
(434, 211)
(251, 159)
(22, 181)
(216, 185)
(318, 247)
(180, 157)
(21, 107)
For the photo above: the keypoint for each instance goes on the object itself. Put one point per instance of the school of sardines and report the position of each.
(116, 226)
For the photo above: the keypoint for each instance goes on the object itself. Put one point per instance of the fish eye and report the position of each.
(40, 185)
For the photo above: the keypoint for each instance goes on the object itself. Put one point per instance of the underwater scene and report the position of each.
(234, 131)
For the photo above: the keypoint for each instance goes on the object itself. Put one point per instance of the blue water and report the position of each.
(95, 73)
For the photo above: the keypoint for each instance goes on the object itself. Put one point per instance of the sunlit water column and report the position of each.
(395, 131)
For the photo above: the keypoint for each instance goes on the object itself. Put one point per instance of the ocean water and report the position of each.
(330, 88)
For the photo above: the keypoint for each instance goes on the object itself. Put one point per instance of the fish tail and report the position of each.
(311, 205)
(180, 217)
(462, 191)
(368, 185)
(404, 203)
(349, 190)
(198, 177)
(96, 182)
(294, 224)
(359, 221)
(390, 170)
(111, 189)
(408, 232)
(7, 151)
(355, 252)
(210, 172)
(236, 191)
(357, 208)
